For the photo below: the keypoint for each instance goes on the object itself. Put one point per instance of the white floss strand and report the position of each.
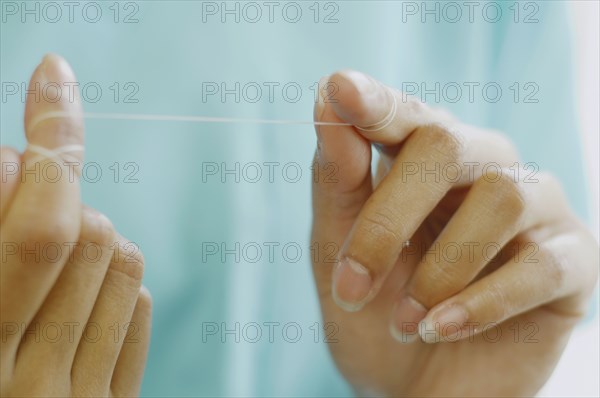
(60, 153)
(177, 118)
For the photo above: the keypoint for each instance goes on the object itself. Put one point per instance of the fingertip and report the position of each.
(352, 285)
(319, 108)
(339, 148)
(53, 107)
(145, 292)
(360, 99)
(52, 57)
(446, 322)
(144, 302)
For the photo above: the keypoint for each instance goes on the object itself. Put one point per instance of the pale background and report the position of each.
(577, 372)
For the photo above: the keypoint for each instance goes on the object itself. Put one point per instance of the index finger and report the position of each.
(49, 191)
(46, 210)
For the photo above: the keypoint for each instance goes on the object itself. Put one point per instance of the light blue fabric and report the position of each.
(169, 53)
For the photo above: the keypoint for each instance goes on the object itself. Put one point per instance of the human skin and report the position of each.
(412, 323)
(39, 291)
(368, 219)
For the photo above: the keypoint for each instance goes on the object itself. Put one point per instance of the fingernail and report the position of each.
(444, 323)
(53, 112)
(351, 285)
(48, 73)
(405, 319)
(372, 94)
(374, 102)
(50, 92)
(365, 86)
(52, 68)
(320, 105)
(318, 116)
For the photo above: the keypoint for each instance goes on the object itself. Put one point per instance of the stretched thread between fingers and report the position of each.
(202, 119)
(387, 120)
(178, 118)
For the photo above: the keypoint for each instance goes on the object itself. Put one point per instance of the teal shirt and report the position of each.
(165, 198)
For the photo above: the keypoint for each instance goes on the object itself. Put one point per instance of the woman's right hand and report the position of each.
(75, 317)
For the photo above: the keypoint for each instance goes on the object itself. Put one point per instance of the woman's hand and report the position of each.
(459, 273)
(75, 318)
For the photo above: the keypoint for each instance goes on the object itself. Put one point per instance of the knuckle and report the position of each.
(375, 241)
(96, 228)
(555, 267)
(590, 266)
(503, 193)
(433, 283)
(382, 227)
(497, 302)
(427, 293)
(444, 277)
(446, 144)
(554, 188)
(144, 301)
(58, 228)
(412, 104)
(128, 259)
